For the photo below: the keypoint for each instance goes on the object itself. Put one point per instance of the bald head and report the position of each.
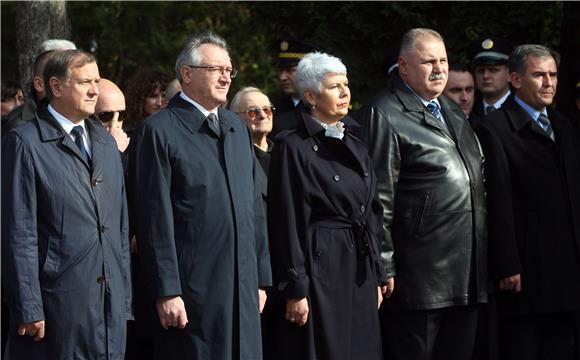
(111, 101)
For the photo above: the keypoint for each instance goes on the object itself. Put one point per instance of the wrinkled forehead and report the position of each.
(255, 98)
(212, 54)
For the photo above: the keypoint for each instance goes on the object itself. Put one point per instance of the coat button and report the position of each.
(318, 253)
(363, 208)
(336, 178)
(315, 148)
(366, 174)
(102, 229)
(94, 182)
(100, 280)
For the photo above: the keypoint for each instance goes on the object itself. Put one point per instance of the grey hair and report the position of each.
(518, 57)
(312, 70)
(235, 105)
(410, 38)
(56, 44)
(59, 65)
(189, 55)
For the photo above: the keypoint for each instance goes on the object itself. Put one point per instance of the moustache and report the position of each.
(440, 76)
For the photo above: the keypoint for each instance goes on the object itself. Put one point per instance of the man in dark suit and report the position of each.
(532, 171)
(430, 183)
(198, 215)
(65, 246)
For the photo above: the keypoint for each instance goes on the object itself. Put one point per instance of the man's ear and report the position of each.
(516, 80)
(55, 86)
(402, 65)
(38, 84)
(186, 74)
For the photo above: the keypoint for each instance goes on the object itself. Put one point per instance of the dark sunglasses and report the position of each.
(107, 116)
(253, 112)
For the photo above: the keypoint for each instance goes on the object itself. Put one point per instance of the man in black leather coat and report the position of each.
(429, 168)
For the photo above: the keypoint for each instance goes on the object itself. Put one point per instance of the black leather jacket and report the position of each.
(431, 186)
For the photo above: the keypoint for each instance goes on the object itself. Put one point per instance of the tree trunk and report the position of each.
(38, 21)
(569, 71)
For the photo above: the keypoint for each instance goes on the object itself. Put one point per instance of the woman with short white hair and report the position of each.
(325, 225)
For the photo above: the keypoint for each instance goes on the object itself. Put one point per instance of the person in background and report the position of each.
(288, 107)
(532, 167)
(324, 223)
(110, 110)
(12, 96)
(172, 88)
(460, 88)
(145, 96)
(490, 58)
(257, 111)
(27, 111)
(430, 180)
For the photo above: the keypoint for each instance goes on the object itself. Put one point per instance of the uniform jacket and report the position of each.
(287, 116)
(65, 246)
(431, 187)
(20, 115)
(201, 229)
(325, 227)
(534, 208)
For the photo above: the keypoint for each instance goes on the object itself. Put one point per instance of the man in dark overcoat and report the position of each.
(65, 246)
(533, 177)
(429, 170)
(198, 215)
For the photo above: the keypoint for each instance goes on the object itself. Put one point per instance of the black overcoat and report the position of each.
(324, 221)
(201, 229)
(534, 209)
(65, 246)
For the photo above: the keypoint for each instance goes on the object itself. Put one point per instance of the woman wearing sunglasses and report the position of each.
(255, 108)
(325, 225)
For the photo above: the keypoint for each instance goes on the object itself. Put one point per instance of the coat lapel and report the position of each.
(412, 103)
(51, 130)
(519, 119)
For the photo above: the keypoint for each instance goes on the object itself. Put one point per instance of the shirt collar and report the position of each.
(203, 110)
(534, 114)
(423, 100)
(66, 124)
(295, 101)
(498, 103)
(336, 130)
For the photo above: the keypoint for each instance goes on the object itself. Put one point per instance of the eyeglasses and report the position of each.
(254, 111)
(215, 70)
(106, 116)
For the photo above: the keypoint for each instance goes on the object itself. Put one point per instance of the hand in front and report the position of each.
(511, 283)
(297, 311)
(35, 329)
(386, 291)
(262, 299)
(171, 311)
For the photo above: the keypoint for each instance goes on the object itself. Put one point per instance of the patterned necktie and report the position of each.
(434, 108)
(77, 132)
(489, 108)
(214, 123)
(546, 126)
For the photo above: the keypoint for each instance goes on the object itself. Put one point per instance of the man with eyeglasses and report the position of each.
(110, 111)
(198, 215)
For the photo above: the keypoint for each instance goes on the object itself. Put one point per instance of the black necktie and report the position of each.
(546, 126)
(77, 132)
(489, 108)
(214, 123)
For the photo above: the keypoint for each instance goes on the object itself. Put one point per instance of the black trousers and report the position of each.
(439, 334)
(537, 337)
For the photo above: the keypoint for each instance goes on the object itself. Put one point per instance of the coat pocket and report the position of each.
(51, 266)
(424, 205)
(320, 239)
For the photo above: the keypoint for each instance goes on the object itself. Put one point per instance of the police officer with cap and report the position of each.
(290, 52)
(489, 58)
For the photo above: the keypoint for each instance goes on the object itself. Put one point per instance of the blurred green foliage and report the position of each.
(131, 34)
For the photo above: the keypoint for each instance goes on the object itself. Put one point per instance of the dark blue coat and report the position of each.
(201, 230)
(65, 250)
